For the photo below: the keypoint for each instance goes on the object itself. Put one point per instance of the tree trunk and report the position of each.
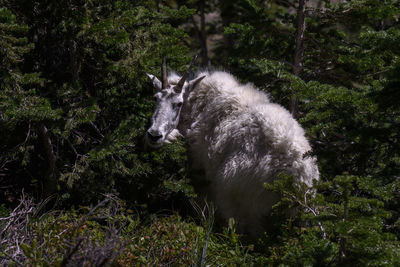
(74, 64)
(205, 61)
(298, 57)
(342, 240)
(50, 183)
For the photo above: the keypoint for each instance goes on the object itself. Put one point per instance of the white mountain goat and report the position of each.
(236, 137)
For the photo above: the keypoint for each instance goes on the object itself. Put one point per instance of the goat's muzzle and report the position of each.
(153, 138)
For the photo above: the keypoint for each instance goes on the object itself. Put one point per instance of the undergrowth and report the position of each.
(110, 234)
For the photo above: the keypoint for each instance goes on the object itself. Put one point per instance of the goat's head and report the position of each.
(169, 97)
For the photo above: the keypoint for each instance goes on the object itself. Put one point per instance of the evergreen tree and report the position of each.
(347, 77)
(92, 57)
(23, 111)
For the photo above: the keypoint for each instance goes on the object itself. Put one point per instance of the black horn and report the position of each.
(164, 78)
(178, 87)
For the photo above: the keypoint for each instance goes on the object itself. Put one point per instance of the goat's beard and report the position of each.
(153, 144)
(172, 136)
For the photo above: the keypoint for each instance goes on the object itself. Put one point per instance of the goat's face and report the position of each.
(169, 99)
(165, 118)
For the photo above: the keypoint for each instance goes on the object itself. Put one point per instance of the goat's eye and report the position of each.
(178, 105)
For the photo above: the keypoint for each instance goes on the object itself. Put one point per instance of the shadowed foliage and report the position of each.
(75, 103)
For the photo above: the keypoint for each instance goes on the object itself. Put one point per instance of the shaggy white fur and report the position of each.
(241, 140)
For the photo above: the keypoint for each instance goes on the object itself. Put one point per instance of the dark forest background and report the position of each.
(78, 187)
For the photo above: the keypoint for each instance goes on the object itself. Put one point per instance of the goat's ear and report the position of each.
(195, 82)
(156, 82)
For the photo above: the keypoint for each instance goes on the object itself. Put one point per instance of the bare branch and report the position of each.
(79, 249)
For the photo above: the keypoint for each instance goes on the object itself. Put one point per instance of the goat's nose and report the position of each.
(154, 136)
